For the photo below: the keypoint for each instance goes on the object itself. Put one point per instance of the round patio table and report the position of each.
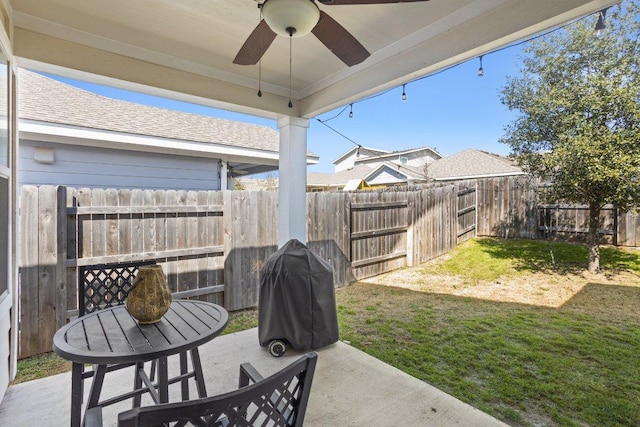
(112, 337)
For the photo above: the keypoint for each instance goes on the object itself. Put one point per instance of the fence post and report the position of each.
(410, 216)
(475, 219)
(61, 252)
(47, 235)
(615, 226)
(29, 304)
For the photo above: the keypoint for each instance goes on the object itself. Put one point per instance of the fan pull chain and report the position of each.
(260, 79)
(291, 31)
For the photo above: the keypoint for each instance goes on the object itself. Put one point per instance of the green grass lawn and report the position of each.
(492, 259)
(529, 365)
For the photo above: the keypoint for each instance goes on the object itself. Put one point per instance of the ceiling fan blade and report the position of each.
(341, 2)
(256, 45)
(339, 41)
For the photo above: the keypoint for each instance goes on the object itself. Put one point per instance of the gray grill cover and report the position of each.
(297, 299)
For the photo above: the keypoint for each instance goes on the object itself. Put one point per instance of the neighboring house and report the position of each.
(414, 158)
(472, 164)
(363, 167)
(72, 137)
(348, 159)
(366, 173)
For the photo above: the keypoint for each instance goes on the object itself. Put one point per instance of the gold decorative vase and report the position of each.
(149, 298)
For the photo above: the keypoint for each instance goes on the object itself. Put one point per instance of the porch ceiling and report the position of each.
(185, 49)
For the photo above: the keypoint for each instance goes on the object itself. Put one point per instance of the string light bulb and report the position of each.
(404, 93)
(480, 70)
(351, 111)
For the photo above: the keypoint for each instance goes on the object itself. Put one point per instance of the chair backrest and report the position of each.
(279, 400)
(105, 285)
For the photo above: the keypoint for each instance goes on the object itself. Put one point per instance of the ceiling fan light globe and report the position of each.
(282, 15)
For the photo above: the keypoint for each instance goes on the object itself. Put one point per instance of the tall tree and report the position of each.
(578, 127)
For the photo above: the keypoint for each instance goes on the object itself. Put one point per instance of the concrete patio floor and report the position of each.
(349, 388)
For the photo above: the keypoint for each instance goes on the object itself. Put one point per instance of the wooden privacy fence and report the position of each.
(467, 211)
(213, 244)
(394, 229)
(506, 207)
(202, 246)
(572, 223)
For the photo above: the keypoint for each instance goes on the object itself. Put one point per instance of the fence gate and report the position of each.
(378, 234)
(467, 213)
(571, 222)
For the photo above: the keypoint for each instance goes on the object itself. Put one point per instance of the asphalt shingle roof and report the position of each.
(472, 163)
(47, 100)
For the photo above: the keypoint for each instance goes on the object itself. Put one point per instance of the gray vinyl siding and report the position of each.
(82, 166)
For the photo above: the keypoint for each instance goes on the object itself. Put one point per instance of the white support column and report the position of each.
(292, 187)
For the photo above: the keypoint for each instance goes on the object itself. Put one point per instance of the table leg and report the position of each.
(163, 380)
(76, 394)
(96, 386)
(197, 368)
(137, 384)
(184, 384)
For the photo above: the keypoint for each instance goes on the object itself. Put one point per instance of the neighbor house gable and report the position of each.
(348, 160)
(388, 174)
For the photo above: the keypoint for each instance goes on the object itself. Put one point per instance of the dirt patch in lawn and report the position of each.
(612, 295)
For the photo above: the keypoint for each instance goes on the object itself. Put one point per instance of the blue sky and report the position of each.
(450, 111)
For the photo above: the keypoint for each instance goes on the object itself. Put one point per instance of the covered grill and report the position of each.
(297, 305)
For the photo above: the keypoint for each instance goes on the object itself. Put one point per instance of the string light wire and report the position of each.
(341, 134)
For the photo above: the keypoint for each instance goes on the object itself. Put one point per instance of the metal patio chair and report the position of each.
(105, 285)
(102, 286)
(278, 400)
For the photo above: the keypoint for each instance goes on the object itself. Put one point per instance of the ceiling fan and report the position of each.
(296, 18)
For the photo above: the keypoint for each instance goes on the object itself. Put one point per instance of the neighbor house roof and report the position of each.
(338, 179)
(45, 100)
(472, 163)
(358, 172)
